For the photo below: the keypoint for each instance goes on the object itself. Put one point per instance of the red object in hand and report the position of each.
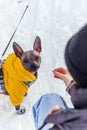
(61, 70)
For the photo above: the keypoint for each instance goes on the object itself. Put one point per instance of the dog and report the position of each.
(19, 70)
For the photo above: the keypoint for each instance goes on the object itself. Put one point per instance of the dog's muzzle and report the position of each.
(34, 68)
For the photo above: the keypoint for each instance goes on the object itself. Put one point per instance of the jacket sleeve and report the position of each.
(63, 118)
(65, 115)
(78, 95)
(54, 128)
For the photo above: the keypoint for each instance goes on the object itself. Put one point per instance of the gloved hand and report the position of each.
(21, 111)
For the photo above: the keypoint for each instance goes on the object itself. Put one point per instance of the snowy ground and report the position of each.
(55, 21)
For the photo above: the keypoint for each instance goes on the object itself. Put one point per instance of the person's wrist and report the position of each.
(69, 82)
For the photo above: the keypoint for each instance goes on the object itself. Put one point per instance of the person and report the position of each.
(56, 112)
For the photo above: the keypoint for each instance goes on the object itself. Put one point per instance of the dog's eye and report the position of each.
(36, 57)
(25, 60)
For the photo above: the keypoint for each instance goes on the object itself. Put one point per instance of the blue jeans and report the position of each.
(43, 105)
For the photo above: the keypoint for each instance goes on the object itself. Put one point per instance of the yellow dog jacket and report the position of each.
(15, 76)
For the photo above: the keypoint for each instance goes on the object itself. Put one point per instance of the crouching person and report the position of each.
(57, 114)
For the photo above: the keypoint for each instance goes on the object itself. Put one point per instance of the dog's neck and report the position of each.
(33, 72)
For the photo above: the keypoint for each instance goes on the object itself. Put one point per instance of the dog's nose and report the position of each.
(33, 66)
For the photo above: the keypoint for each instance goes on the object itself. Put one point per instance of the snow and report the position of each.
(55, 21)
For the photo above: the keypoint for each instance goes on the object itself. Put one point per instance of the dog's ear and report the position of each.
(17, 49)
(37, 44)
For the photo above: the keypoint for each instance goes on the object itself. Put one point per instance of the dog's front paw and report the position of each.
(20, 111)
